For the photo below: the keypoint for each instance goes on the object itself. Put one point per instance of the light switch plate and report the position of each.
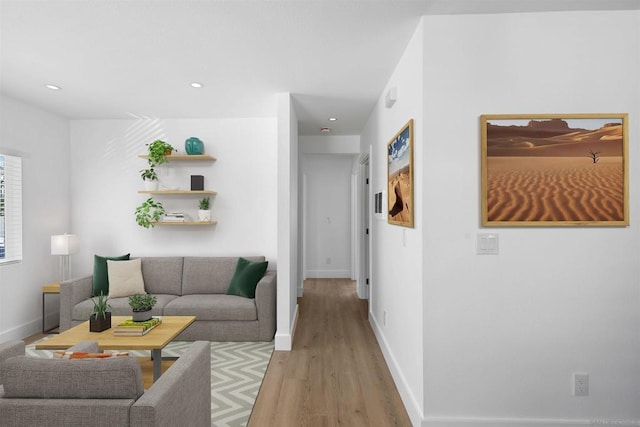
(487, 244)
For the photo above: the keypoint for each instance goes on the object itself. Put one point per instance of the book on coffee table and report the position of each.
(131, 328)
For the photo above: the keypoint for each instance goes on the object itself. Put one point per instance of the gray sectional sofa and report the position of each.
(102, 392)
(194, 286)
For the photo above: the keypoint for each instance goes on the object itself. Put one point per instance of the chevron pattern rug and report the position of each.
(237, 369)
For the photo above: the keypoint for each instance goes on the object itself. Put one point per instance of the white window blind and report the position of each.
(11, 204)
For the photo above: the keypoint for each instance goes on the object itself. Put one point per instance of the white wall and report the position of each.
(330, 144)
(495, 339)
(42, 140)
(327, 166)
(503, 334)
(327, 214)
(396, 252)
(288, 235)
(105, 182)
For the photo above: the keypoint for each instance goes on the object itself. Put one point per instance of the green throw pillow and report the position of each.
(101, 275)
(246, 278)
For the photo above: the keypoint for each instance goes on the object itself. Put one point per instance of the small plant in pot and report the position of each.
(150, 178)
(100, 319)
(204, 213)
(149, 212)
(141, 304)
(158, 152)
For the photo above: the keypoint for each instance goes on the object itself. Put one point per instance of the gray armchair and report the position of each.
(103, 392)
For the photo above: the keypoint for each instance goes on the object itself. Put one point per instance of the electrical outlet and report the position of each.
(384, 318)
(328, 260)
(581, 384)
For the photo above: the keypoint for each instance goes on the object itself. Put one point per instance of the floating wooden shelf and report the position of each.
(186, 223)
(168, 192)
(177, 192)
(183, 157)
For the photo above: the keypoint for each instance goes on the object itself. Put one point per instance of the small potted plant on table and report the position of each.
(141, 304)
(100, 319)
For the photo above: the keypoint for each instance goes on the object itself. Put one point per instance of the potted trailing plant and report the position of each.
(149, 212)
(158, 152)
(100, 319)
(204, 213)
(150, 178)
(141, 305)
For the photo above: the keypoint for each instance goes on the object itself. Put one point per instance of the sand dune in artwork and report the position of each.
(555, 189)
(400, 200)
(521, 141)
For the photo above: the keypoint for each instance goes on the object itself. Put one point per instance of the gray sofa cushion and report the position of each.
(112, 378)
(213, 307)
(162, 275)
(209, 275)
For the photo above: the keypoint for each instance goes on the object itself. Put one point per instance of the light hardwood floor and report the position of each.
(335, 373)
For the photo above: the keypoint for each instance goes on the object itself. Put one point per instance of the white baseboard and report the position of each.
(301, 289)
(22, 331)
(418, 419)
(328, 274)
(521, 422)
(410, 403)
(284, 341)
(362, 289)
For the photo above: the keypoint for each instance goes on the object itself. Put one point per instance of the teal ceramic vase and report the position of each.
(194, 146)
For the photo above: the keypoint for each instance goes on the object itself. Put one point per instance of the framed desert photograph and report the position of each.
(400, 177)
(554, 170)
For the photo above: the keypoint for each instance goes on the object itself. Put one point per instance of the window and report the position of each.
(10, 208)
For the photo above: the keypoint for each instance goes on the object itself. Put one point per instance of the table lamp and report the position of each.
(64, 245)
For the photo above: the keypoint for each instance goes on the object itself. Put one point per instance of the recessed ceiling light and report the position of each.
(196, 84)
(332, 119)
(326, 130)
(52, 87)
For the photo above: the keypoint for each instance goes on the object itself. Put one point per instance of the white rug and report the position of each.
(237, 369)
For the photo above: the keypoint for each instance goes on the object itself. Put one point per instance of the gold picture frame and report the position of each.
(542, 170)
(400, 177)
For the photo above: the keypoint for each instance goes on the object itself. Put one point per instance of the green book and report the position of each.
(129, 323)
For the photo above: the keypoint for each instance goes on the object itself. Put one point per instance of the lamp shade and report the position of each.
(64, 244)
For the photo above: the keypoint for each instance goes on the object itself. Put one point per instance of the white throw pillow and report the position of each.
(125, 278)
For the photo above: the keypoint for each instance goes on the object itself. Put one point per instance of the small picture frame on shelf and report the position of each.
(197, 182)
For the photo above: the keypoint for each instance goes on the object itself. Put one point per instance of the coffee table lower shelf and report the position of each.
(155, 340)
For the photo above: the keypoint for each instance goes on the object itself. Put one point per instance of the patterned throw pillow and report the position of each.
(63, 354)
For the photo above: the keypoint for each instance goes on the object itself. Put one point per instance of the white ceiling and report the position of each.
(124, 58)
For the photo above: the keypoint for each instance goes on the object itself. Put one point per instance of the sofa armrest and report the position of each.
(266, 292)
(9, 349)
(181, 396)
(73, 292)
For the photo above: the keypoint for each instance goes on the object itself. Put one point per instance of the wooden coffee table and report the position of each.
(155, 340)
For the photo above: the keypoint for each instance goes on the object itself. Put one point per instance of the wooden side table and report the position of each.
(51, 288)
